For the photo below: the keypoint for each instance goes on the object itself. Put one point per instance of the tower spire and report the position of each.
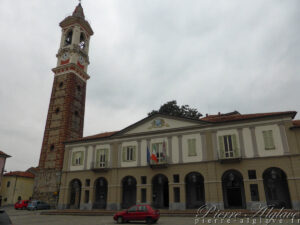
(78, 12)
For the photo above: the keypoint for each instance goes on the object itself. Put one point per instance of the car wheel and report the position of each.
(120, 219)
(149, 221)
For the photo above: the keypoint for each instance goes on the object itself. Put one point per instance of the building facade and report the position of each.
(67, 104)
(16, 185)
(227, 160)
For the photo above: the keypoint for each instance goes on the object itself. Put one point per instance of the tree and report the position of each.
(171, 108)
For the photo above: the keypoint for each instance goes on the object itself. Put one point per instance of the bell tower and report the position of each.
(65, 117)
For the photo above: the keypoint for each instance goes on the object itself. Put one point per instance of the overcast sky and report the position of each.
(216, 56)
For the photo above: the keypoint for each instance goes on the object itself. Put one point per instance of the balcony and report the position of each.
(230, 157)
(99, 166)
(161, 163)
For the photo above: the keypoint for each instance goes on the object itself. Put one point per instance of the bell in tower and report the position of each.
(65, 117)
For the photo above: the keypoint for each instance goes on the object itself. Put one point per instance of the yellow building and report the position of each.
(16, 185)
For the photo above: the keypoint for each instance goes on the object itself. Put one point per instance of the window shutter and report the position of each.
(265, 136)
(192, 147)
(81, 158)
(271, 140)
(133, 153)
(124, 154)
(97, 158)
(221, 147)
(73, 159)
(234, 145)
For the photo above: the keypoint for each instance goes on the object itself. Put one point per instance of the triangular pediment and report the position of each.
(160, 122)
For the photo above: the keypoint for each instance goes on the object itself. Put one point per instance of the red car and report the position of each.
(22, 204)
(138, 212)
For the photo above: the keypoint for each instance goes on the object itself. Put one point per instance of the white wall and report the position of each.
(144, 152)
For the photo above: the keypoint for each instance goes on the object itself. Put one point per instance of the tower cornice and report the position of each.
(71, 68)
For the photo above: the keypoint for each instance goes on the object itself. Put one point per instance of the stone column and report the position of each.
(204, 146)
(242, 144)
(139, 154)
(180, 148)
(215, 145)
(283, 136)
(170, 158)
(254, 142)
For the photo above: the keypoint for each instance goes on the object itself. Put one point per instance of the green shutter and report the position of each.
(265, 136)
(73, 158)
(235, 146)
(81, 158)
(133, 153)
(268, 139)
(192, 147)
(271, 140)
(97, 158)
(124, 151)
(221, 147)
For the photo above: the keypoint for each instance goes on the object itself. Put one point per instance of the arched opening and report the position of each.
(276, 188)
(194, 189)
(100, 193)
(82, 42)
(75, 194)
(129, 192)
(68, 39)
(233, 190)
(160, 191)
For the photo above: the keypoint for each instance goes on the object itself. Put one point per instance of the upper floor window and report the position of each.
(192, 147)
(268, 139)
(8, 184)
(159, 152)
(228, 146)
(101, 157)
(77, 158)
(129, 153)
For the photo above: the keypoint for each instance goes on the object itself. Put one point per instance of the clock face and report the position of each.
(65, 56)
(81, 59)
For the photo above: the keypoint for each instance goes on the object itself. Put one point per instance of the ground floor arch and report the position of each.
(75, 194)
(276, 188)
(194, 189)
(233, 190)
(128, 192)
(160, 191)
(100, 197)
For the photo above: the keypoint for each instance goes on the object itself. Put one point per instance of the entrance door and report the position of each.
(194, 187)
(276, 188)
(75, 194)
(233, 190)
(100, 193)
(129, 192)
(160, 191)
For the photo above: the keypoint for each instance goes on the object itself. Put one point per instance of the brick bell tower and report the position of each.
(67, 104)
